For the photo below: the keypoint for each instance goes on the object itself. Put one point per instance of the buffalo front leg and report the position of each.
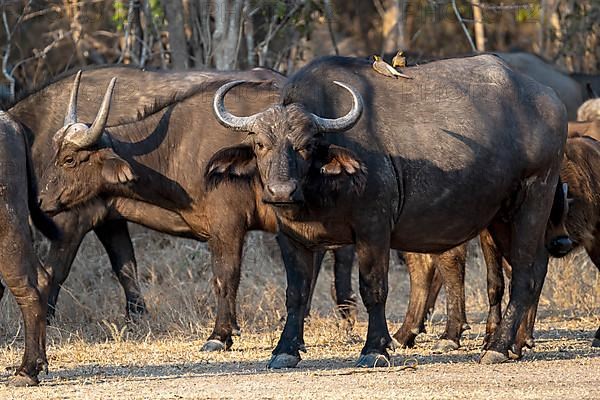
(114, 236)
(61, 255)
(420, 269)
(299, 264)
(451, 266)
(373, 261)
(523, 235)
(226, 268)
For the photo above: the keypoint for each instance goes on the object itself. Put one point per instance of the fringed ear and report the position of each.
(116, 170)
(230, 164)
(341, 162)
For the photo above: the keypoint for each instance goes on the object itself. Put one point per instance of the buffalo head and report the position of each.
(83, 163)
(286, 146)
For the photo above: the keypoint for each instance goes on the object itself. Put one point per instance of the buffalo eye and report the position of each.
(304, 152)
(260, 147)
(69, 162)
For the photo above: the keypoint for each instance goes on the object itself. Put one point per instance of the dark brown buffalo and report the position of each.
(20, 269)
(166, 196)
(417, 173)
(580, 169)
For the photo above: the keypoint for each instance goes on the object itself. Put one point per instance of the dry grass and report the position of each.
(91, 343)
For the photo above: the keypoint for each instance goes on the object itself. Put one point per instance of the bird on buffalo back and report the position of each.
(386, 69)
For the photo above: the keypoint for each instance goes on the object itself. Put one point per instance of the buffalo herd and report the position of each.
(334, 157)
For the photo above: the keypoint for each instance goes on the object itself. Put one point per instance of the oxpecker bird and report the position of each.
(399, 61)
(386, 69)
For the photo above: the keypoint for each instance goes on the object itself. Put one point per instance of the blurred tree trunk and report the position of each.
(226, 36)
(570, 34)
(478, 25)
(177, 40)
(393, 28)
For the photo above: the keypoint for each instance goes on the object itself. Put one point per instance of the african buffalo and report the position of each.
(167, 197)
(467, 144)
(21, 270)
(580, 171)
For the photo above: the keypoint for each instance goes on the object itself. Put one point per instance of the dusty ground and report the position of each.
(93, 353)
(563, 366)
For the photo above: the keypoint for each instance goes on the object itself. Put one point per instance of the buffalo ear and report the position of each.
(340, 162)
(229, 164)
(116, 170)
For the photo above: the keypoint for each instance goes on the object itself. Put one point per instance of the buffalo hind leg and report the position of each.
(420, 270)
(342, 292)
(495, 283)
(226, 268)
(524, 248)
(593, 251)
(451, 265)
(319, 256)
(22, 280)
(299, 264)
(114, 236)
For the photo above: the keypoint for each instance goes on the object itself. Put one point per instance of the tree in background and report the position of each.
(41, 39)
(570, 34)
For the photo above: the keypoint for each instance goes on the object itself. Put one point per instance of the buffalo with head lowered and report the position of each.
(143, 168)
(348, 156)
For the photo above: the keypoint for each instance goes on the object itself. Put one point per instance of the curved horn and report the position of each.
(90, 136)
(71, 116)
(347, 121)
(224, 117)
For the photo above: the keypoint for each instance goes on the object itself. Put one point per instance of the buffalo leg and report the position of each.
(114, 236)
(61, 255)
(495, 283)
(226, 268)
(434, 291)
(420, 269)
(451, 265)
(20, 276)
(319, 256)
(593, 251)
(528, 257)
(299, 263)
(373, 261)
(1, 291)
(342, 284)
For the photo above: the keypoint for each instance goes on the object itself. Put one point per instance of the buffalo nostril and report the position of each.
(282, 190)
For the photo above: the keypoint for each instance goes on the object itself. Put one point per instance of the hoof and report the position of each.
(23, 381)
(492, 357)
(279, 361)
(596, 342)
(213, 345)
(404, 341)
(373, 360)
(529, 343)
(444, 346)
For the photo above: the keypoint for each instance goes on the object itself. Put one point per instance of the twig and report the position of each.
(6, 56)
(462, 24)
(329, 17)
